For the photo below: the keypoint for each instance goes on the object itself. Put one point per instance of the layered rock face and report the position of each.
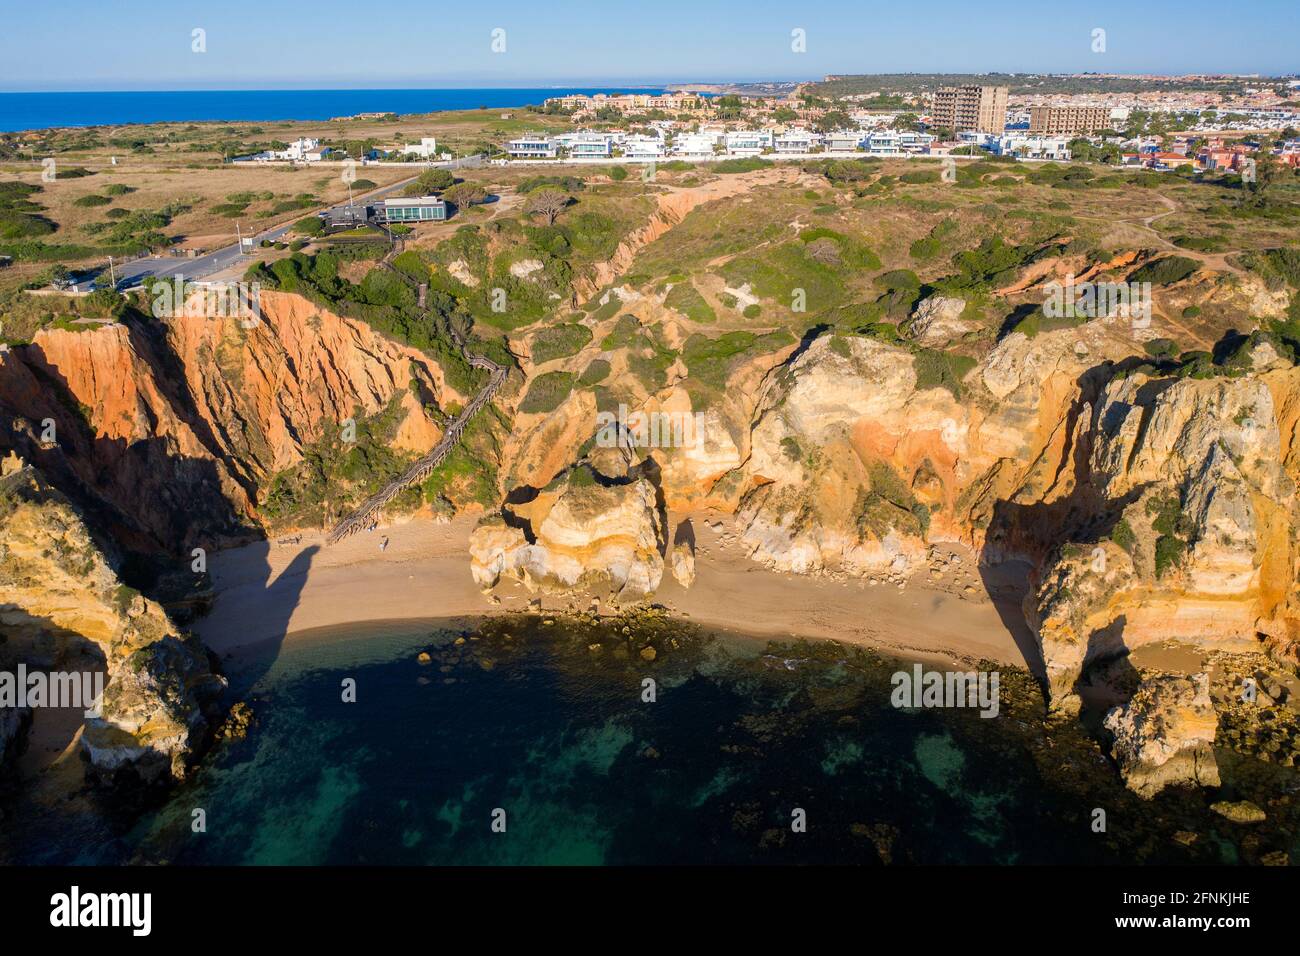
(937, 322)
(1191, 487)
(585, 530)
(862, 451)
(168, 430)
(62, 603)
(1164, 736)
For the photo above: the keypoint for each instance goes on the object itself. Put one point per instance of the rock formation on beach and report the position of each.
(64, 607)
(1132, 488)
(1164, 736)
(582, 530)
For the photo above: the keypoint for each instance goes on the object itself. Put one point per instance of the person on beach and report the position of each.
(383, 544)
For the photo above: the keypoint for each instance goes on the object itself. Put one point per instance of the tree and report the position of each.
(1267, 172)
(431, 181)
(832, 120)
(465, 194)
(548, 203)
(309, 226)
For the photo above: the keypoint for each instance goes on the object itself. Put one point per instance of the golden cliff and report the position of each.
(169, 429)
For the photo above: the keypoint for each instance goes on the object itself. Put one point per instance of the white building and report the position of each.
(585, 144)
(427, 148)
(844, 141)
(1033, 147)
(531, 147)
(796, 141)
(910, 141)
(298, 150)
(644, 147)
(883, 142)
(745, 142)
(695, 144)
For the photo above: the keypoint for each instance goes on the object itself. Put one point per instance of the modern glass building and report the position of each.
(411, 209)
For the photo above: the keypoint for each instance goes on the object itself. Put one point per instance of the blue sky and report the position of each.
(143, 44)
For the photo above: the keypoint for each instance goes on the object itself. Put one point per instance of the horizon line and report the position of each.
(303, 86)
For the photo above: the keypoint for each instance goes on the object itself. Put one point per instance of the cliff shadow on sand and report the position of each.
(275, 595)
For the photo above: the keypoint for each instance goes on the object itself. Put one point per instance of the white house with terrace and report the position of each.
(532, 147)
(696, 145)
(585, 144)
(644, 147)
(796, 141)
(747, 142)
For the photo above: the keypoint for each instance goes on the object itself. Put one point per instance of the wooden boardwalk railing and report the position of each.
(368, 514)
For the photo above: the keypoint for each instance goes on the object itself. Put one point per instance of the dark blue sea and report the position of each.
(24, 111)
(545, 725)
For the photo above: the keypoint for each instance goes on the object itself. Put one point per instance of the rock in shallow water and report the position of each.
(1239, 811)
(1164, 736)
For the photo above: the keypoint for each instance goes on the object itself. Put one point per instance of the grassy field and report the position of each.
(849, 244)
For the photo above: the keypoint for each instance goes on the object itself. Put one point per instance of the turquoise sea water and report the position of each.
(547, 723)
(21, 111)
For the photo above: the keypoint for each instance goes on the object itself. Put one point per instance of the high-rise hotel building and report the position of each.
(960, 108)
(1063, 120)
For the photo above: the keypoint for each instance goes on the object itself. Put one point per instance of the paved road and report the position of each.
(134, 272)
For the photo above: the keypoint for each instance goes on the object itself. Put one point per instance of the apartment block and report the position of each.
(1066, 120)
(958, 108)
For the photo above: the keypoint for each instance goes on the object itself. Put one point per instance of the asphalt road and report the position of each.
(136, 271)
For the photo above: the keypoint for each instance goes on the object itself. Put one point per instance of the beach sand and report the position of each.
(269, 589)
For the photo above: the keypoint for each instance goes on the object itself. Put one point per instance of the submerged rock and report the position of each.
(1164, 736)
(1239, 811)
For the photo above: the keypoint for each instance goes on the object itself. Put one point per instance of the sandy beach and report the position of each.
(270, 589)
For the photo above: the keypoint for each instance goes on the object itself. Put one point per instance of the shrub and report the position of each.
(926, 248)
(685, 298)
(546, 392)
(593, 373)
(559, 341)
(1164, 271)
(741, 165)
(935, 368)
(1122, 534)
(1161, 348)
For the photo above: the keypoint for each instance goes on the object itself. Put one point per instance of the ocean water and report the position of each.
(23, 111)
(547, 722)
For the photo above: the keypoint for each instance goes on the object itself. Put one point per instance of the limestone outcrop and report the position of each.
(582, 531)
(62, 604)
(937, 322)
(1164, 736)
(1190, 494)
